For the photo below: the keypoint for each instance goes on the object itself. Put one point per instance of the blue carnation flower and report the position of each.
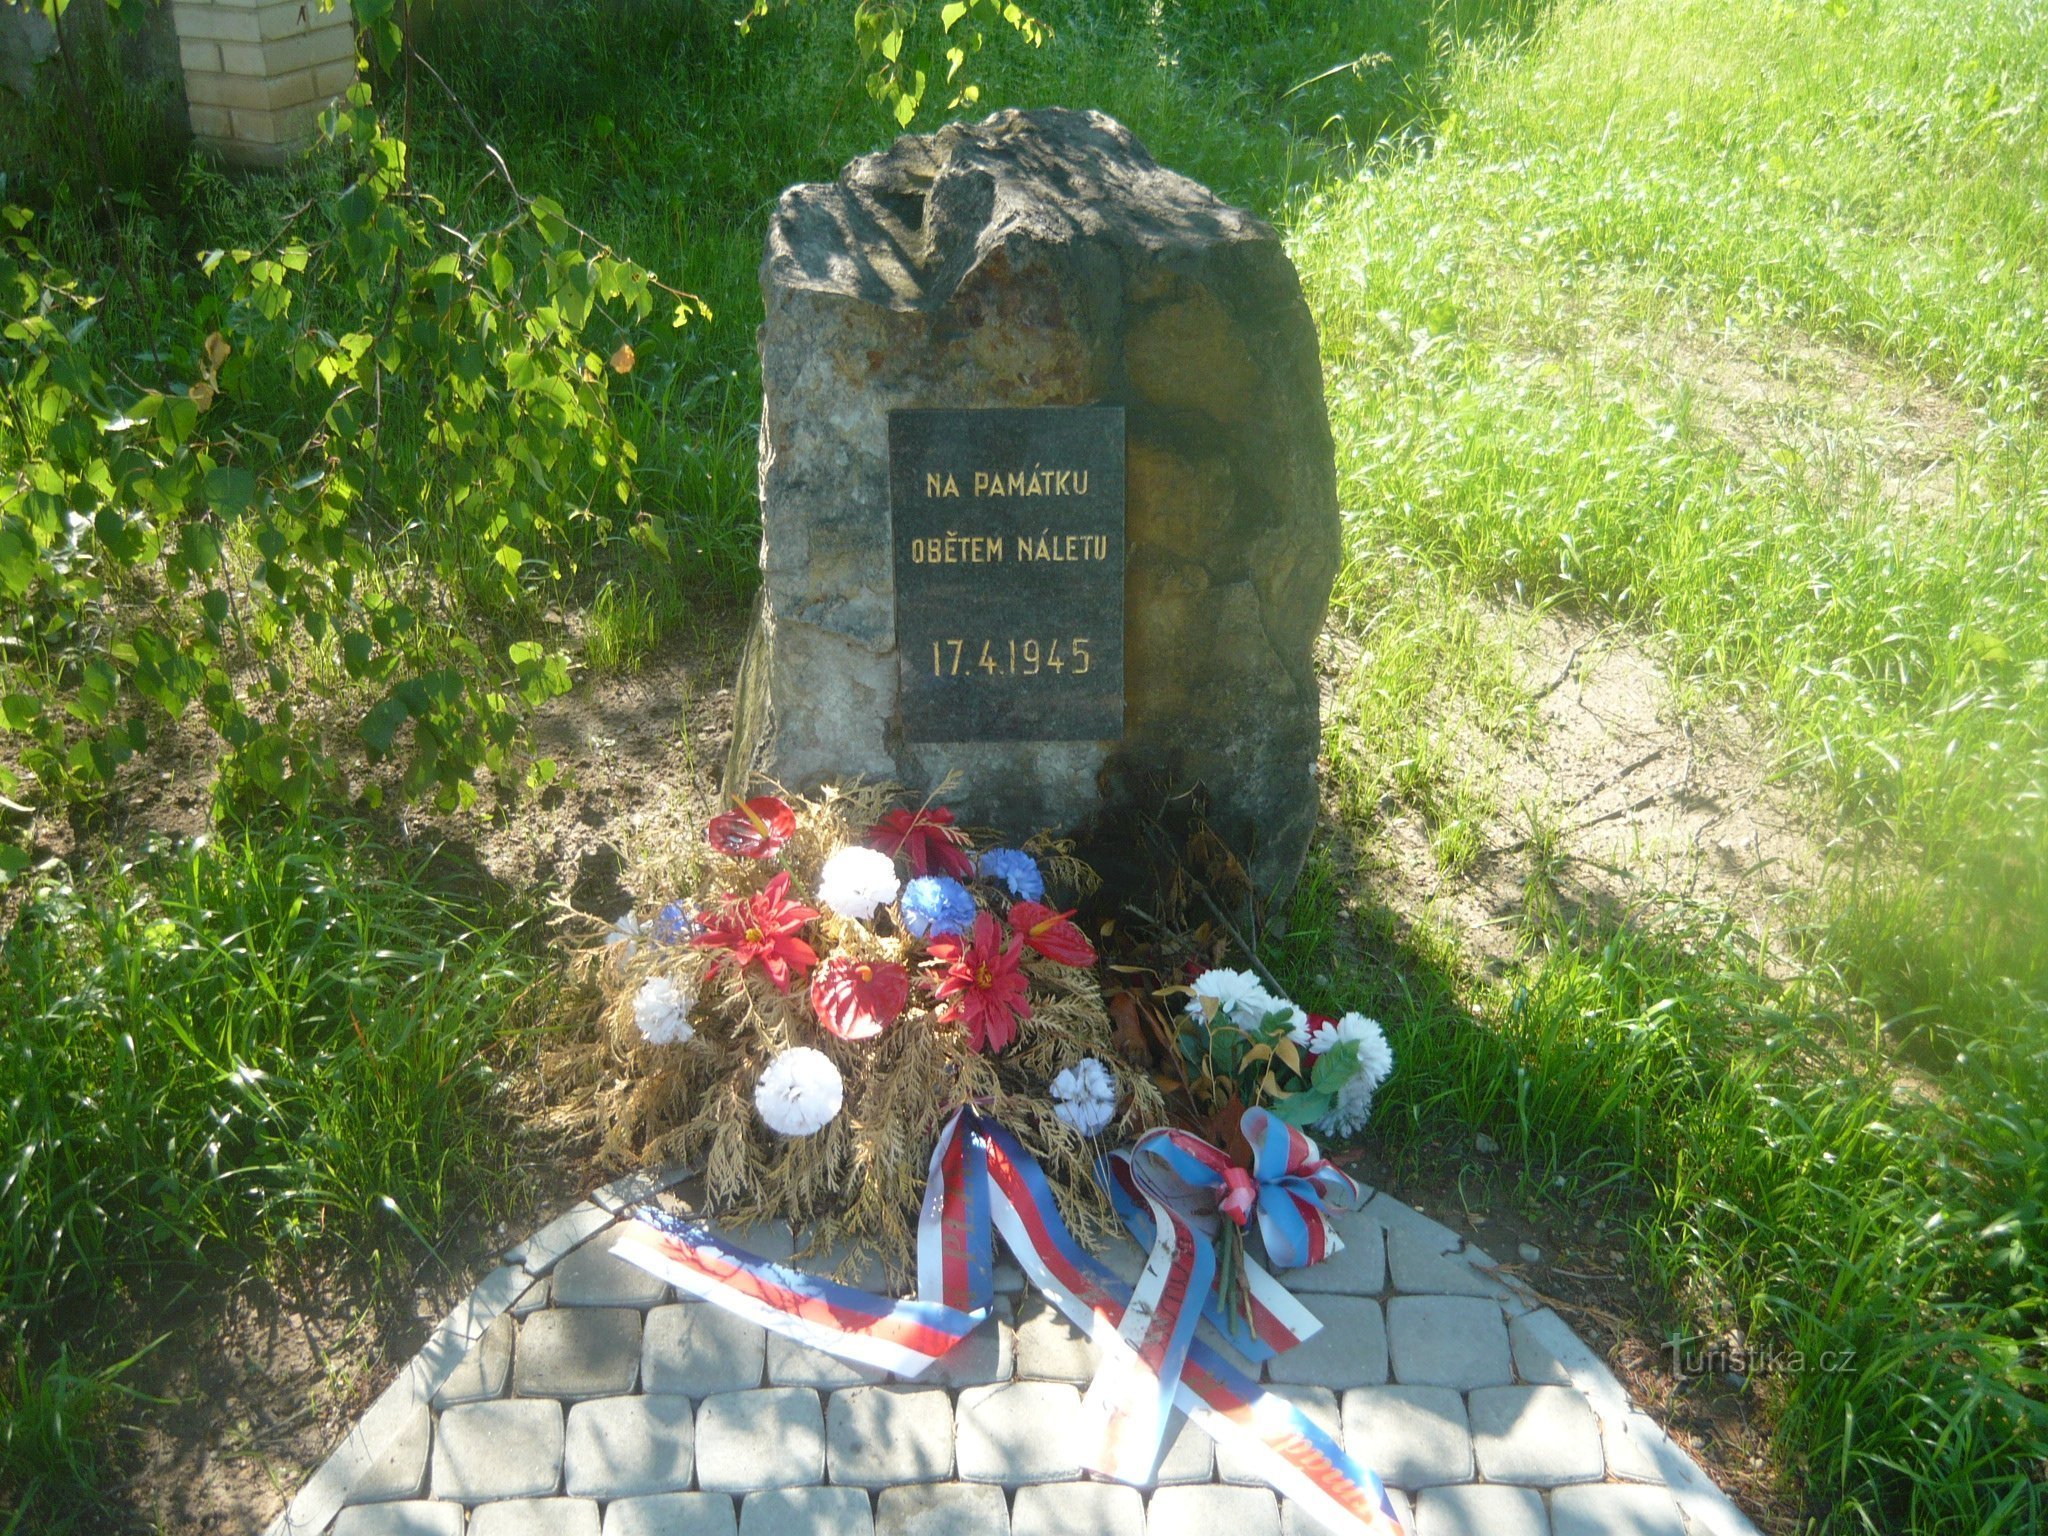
(675, 924)
(1017, 871)
(934, 904)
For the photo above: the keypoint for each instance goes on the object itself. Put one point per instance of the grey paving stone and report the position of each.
(535, 1517)
(1535, 1362)
(1190, 1455)
(672, 1514)
(617, 1446)
(1351, 1351)
(1234, 1464)
(877, 1436)
(532, 1299)
(577, 1352)
(807, 1512)
(1049, 1348)
(1634, 1446)
(1358, 1269)
(1448, 1341)
(791, 1364)
(1416, 1266)
(484, 1371)
(1541, 1437)
(641, 1184)
(1614, 1510)
(1296, 1521)
(1480, 1510)
(413, 1518)
(1078, 1509)
(1212, 1509)
(698, 1349)
(594, 1276)
(1020, 1432)
(1009, 1279)
(942, 1509)
(504, 1450)
(1413, 1437)
(401, 1471)
(1397, 1216)
(982, 1359)
(559, 1238)
(770, 1437)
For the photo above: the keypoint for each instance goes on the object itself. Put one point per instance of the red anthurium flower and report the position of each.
(762, 930)
(983, 984)
(858, 999)
(1050, 933)
(753, 829)
(928, 839)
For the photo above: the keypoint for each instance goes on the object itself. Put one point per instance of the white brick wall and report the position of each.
(259, 72)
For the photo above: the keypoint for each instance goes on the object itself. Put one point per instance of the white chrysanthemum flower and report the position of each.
(1236, 995)
(1352, 1109)
(799, 1093)
(855, 881)
(624, 936)
(1085, 1096)
(661, 1009)
(1375, 1065)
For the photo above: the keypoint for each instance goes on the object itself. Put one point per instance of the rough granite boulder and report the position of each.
(1034, 259)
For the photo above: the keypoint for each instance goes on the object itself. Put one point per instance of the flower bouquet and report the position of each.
(1242, 1046)
(834, 980)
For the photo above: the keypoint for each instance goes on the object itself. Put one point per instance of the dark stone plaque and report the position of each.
(1008, 528)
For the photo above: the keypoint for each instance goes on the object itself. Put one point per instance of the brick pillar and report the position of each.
(258, 73)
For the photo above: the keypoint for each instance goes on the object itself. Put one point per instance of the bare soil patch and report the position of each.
(1610, 802)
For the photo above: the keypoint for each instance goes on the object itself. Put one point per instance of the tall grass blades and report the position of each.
(224, 1051)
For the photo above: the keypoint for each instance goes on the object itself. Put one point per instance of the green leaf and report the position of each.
(19, 711)
(230, 488)
(380, 725)
(1302, 1109)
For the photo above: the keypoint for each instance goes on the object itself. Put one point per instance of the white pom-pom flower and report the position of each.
(856, 881)
(624, 937)
(1084, 1096)
(661, 1011)
(799, 1093)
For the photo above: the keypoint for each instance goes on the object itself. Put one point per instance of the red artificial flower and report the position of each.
(754, 829)
(1050, 933)
(858, 999)
(762, 930)
(928, 839)
(984, 983)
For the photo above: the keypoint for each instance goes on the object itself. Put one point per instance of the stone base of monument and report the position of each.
(1047, 493)
(573, 1394)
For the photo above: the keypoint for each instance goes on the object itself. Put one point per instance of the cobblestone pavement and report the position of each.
(573, 1395)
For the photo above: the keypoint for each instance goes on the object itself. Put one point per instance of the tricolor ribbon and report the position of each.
(983, 1181)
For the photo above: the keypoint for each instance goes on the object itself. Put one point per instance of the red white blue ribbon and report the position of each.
(983, 1180)
(900, 1336)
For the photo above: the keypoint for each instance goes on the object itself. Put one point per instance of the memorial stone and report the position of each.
(1047, 492)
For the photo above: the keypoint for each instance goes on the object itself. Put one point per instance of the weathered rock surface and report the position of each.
(1032, 259)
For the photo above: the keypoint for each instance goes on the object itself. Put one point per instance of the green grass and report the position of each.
(247, 1050)
(1503, 315)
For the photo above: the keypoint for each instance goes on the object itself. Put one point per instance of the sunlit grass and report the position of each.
(1501, 313)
